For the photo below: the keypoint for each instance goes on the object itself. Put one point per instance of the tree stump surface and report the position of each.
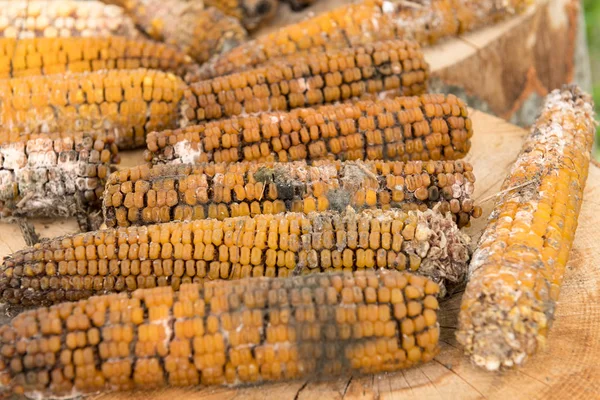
(567, 368)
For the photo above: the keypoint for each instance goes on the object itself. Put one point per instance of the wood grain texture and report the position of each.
(568, 368)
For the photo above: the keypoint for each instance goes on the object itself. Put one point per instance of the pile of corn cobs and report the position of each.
(295, 165)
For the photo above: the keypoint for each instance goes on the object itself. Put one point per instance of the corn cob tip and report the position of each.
(448, 253)
(519, 264)
(571, 94)
(54, 175)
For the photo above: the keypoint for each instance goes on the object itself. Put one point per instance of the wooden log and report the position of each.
(568, 368)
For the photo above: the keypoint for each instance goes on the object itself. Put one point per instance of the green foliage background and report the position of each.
(592, 16)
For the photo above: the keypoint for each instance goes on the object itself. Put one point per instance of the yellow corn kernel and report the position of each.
(361, 23)
(134, 349)
(522, 254)
(46, 56)
(80, 103)
(320, 78)
(156, 255)
(448, 139)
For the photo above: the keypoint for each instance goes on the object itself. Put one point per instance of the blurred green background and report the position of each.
(592, 16)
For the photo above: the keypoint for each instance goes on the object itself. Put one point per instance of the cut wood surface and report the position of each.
(568, 368)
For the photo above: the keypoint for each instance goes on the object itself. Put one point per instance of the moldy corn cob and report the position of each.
(394, 66)
(25, 19)
(50, 175)
(44, 56)
(225, 333)
(520, 262)
(429, 127)
(143, 195)
(123, 103)
(195, 29)
(114, 260)
(251, 13)
(364, 22)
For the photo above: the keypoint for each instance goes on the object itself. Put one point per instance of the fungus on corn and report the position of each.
(225, 333)
(26, 19)
(123, 103)
(77, 266)
(518, 267)
(429, 127)
(145, 195)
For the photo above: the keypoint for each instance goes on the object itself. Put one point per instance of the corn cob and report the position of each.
(114, 260)
(142, 195)
(394, 66)
(198, 31)
(519, 265)
(227, 333)
(49, 175)
(25, 19)
(251, 13)
(429, 127)
(362, 23)
(126, 104)
(47, 56)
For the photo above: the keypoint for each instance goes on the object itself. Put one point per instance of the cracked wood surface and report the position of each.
(568, 368)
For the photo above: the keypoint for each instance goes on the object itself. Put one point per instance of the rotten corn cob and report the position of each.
(123, 103)
(195, 29)
(52, 176)
(25, 19)
(520, 262)
(429, 127)
(144, 195)
(114, 260)
(364, 22)
(397, 67)
(227, 333)
(47, 56)
(251, 13)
